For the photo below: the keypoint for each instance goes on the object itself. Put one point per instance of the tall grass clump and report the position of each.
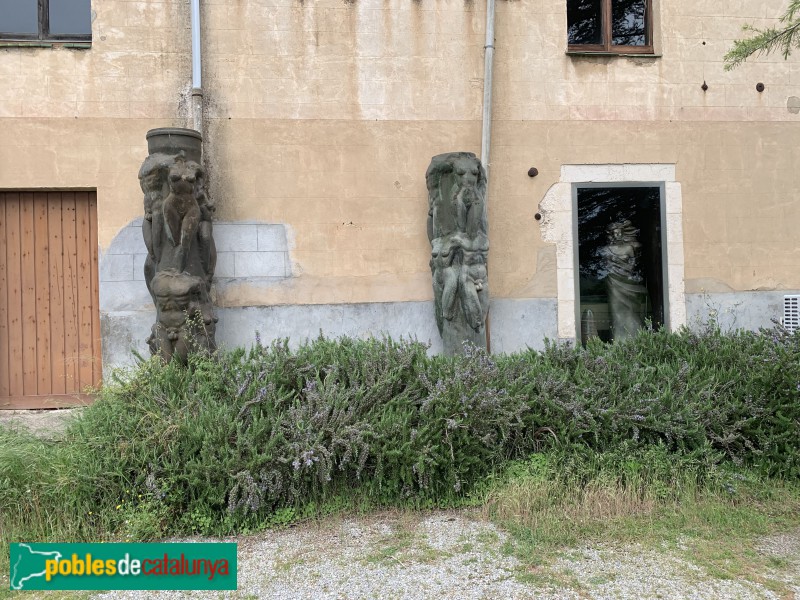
(653, 496)
(580, 488)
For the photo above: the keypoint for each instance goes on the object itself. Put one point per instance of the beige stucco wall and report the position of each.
(323, 115)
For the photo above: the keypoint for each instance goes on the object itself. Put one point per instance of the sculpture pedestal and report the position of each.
(456, 332)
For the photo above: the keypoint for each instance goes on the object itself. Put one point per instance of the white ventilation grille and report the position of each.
(791, 313)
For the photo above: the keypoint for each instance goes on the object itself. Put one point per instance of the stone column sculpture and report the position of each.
(626, 294)
(457, 230)
(181, 255)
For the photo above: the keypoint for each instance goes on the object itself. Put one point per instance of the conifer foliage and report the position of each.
(783, 38)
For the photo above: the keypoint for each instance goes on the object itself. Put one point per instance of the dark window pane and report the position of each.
(70, 16)
(19, 16)
(584, 21)
(627, 23)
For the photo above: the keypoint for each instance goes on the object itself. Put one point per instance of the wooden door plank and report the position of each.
(71, 347)
(14, 262)
(56, 285)
(28, 263)
(42, 267)
(4, 331)
(84, 284)
(97, 363)
(49, 298)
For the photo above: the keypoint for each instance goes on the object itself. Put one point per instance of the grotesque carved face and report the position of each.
(467, 172)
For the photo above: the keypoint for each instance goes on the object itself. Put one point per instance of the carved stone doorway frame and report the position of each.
(559, 226)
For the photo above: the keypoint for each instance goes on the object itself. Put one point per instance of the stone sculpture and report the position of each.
(457, 231)
(626, 294)
(177, 231)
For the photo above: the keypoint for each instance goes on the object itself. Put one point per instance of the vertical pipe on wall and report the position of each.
(197, 83)
(486, 138)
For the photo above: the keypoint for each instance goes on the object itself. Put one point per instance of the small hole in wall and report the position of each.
(538, 216)
(533, 172)
(759, 87)
(704, 87)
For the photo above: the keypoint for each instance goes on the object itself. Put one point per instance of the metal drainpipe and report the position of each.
(197, 83)
(486, 137)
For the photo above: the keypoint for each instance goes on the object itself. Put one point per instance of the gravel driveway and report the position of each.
(456, 555)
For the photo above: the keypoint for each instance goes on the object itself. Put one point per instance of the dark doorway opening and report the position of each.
(620, 261)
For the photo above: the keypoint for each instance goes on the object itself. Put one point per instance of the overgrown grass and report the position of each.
(712, 514)
(265, 437)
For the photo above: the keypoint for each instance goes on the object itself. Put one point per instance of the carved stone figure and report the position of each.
(178, 235)
(185, 317)
(626, 294)
(457, 231)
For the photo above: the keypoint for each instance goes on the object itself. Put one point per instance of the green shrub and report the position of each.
(229, 443)
(266, 436)
(736, 393)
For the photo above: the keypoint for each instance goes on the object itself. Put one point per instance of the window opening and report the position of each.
(46, 20)
(621, 277)
(623, 26)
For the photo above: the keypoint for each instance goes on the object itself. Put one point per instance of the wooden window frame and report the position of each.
(608, 47)
(44, 35)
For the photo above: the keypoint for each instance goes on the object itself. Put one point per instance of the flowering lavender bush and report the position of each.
(735, 393)
(249, 437)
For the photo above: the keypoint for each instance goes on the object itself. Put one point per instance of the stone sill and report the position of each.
(45, 44)
(581, 53)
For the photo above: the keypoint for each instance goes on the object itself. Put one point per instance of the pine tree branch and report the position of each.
(765, 41)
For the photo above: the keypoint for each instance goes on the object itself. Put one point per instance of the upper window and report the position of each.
(47, 20)
(623, 26)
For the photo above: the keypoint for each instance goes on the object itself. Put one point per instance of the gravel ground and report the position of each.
(455, 555)
(46, 424)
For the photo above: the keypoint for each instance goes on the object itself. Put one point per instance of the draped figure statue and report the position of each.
(627, 296)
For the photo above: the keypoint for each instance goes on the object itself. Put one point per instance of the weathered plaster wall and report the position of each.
(322, 116)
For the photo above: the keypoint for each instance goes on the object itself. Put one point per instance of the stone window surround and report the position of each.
(559, 227)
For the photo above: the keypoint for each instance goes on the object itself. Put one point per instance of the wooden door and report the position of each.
(49, 302)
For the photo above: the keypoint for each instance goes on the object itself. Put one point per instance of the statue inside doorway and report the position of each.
(457, 231)
(627, 296)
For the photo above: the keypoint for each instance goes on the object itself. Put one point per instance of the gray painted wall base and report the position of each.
(237, 326)
(736, 310)
(518, 324)
(515, 325)
(246, 251)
